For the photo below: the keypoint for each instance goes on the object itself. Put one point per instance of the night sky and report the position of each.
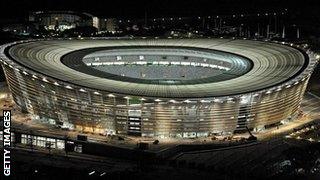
(155, 8)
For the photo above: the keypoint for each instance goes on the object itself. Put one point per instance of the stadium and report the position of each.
(179, 88)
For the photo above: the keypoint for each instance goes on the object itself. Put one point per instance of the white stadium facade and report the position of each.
(158, 87)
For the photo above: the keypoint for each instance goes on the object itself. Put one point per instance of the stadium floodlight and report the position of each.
(172, 101)
(111, 95)
(45, 80)
(96, 93)
(230, 99)
(68, 87)
(127, 97)
(216, 100)
(141, 57)
(187, 101)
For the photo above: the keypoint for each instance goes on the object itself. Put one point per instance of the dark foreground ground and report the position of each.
(293, 156)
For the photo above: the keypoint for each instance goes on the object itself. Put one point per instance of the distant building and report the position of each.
(109, 24)
(95, 22)
(61, 20)
(18, 29)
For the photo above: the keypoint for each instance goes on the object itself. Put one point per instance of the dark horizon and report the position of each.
(154, 8)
